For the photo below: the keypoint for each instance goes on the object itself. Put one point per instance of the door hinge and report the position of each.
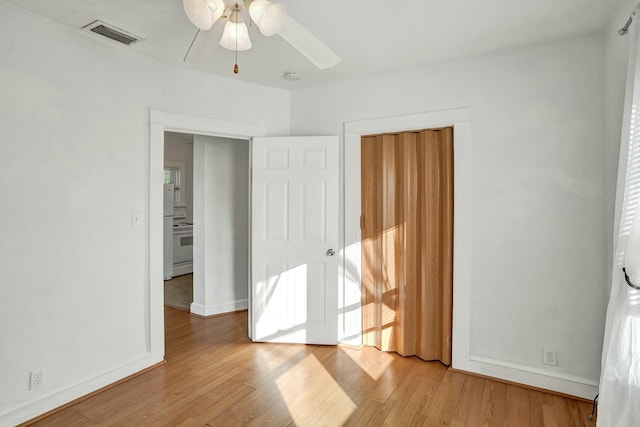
(361, 222)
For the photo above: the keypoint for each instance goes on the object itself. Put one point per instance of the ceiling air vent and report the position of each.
(111, 32)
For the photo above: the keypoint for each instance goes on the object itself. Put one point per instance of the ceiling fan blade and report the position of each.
(308, 45)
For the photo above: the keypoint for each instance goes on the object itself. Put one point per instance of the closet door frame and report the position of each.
(351, 286)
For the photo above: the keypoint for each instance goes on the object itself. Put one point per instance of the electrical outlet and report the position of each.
(550, 356)
(37, 379)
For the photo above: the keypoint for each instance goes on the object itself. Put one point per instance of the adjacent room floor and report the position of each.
(214, 376)
(178, 292)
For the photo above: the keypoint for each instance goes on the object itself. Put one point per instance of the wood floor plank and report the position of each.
(536, 415)
(67, 418)
(367, 410)
(469, 408)
(493, 404)
(214, 376)
(517, 407)
(414, 394)
(442, 408)
(258, 408)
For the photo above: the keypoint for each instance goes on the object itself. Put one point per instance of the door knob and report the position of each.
(331, 252)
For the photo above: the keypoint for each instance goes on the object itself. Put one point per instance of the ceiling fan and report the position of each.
(270, 18)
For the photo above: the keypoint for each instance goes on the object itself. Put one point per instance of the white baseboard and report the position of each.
(56, 398)
(535, 377)
(221, 308)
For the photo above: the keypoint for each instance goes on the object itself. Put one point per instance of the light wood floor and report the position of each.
(214, 376)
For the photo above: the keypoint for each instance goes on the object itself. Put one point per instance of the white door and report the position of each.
(294, 229)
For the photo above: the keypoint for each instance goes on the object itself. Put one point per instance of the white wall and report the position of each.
(74, 143)
(538, 253)
(221, 225)
(178, 148)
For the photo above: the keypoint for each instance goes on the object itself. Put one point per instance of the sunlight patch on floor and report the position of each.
(276, 356)
(315, 400)
(373, 366)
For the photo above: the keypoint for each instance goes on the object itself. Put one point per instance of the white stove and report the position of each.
(182, 243)
(183, 227)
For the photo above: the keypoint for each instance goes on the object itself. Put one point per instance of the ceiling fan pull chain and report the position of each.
(236, 70)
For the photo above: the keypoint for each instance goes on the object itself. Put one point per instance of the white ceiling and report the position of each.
(369, 35)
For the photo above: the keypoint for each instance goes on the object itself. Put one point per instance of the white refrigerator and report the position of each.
(168, 231)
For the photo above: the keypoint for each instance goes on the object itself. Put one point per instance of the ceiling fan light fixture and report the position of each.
(234, 29)
(268, 16)
(198, 13)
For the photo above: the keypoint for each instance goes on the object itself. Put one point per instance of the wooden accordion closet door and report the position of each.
(407, 242)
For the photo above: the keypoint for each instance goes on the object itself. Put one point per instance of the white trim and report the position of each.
(160, 122)
(416, 121)
(542, 378)
(213, 309)
(205, 126)
(459, 119)
(462, 242)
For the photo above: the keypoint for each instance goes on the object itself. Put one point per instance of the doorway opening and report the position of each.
(206, 217)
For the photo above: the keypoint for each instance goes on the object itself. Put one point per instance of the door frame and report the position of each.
(351, 288)
(159, 122)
